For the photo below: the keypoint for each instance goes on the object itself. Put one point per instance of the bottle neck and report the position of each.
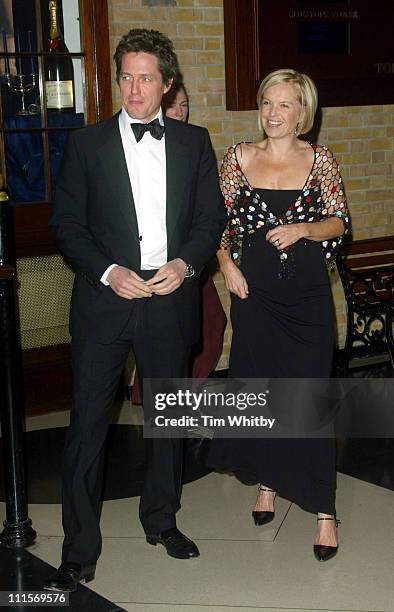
(54, 31)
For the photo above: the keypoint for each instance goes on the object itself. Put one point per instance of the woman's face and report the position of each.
(179, 108)
(280, 110)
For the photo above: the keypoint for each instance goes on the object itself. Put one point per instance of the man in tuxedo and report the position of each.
(138, 212)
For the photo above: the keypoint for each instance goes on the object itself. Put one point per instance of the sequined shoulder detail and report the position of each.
(231, 182)
(321, 197)
(327, 175)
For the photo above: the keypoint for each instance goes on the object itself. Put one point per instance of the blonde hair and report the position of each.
(305, 89)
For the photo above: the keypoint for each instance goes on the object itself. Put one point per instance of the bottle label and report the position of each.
(59, 94)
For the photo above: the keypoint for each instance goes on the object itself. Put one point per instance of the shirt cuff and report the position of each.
(104, 277)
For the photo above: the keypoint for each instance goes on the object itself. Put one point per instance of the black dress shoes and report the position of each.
(68, 576)
(176, 544)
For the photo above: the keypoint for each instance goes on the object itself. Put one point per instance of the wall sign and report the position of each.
(346, 47)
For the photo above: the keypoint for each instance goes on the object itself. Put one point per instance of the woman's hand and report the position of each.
(283, 236)
(235, 280)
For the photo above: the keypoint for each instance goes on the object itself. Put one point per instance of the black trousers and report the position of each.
(153, 333)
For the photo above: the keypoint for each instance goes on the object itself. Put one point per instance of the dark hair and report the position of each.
(169, 98)
(149, 41)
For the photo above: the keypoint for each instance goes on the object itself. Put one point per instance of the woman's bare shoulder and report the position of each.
(256, 146)
(252, 149)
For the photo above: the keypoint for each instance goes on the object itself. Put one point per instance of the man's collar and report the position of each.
(125, 119)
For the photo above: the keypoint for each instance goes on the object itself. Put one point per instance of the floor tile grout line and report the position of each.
(283, 520)
(41, 535)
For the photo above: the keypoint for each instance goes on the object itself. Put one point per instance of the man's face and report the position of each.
(141, 85)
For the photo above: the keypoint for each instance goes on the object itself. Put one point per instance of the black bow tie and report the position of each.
(154, 127)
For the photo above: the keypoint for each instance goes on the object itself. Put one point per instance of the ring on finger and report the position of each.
(277, 242)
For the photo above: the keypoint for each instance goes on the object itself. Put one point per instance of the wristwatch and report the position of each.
(189, 271)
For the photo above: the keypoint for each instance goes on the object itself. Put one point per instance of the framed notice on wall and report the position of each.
(346, 47)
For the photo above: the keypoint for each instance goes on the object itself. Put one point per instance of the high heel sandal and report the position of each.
(262, 517)
(321, 551)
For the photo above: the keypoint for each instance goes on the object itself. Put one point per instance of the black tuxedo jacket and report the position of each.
(95, 223)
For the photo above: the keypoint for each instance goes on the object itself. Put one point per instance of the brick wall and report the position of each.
(361, 137)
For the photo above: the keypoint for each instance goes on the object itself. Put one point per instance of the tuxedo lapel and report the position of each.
(177, 168)
(117, 177)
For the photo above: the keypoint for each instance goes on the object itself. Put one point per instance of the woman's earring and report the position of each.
(296, 130)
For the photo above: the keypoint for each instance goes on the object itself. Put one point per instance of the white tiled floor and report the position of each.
(242, 567)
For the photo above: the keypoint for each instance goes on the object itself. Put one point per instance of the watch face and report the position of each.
(189, 270)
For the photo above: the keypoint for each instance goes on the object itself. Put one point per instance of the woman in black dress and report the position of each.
(287, 214)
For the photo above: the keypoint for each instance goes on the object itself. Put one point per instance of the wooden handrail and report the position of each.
(368, 245)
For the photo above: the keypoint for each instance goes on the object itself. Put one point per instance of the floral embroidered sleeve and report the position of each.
(334, 199)
(230, 182)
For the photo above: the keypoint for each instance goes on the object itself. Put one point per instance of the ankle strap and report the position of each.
(331, 518)
(261, 488)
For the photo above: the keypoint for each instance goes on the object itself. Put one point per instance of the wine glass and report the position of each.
(21, 83)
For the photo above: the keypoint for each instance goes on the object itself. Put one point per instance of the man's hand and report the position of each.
(168, 278)
(127, 284)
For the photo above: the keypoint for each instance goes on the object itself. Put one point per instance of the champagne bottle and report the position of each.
(59, 73)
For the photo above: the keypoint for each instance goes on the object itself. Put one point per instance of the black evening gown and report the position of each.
(285, 328)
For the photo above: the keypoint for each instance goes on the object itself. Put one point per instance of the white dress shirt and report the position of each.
(146, 165)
